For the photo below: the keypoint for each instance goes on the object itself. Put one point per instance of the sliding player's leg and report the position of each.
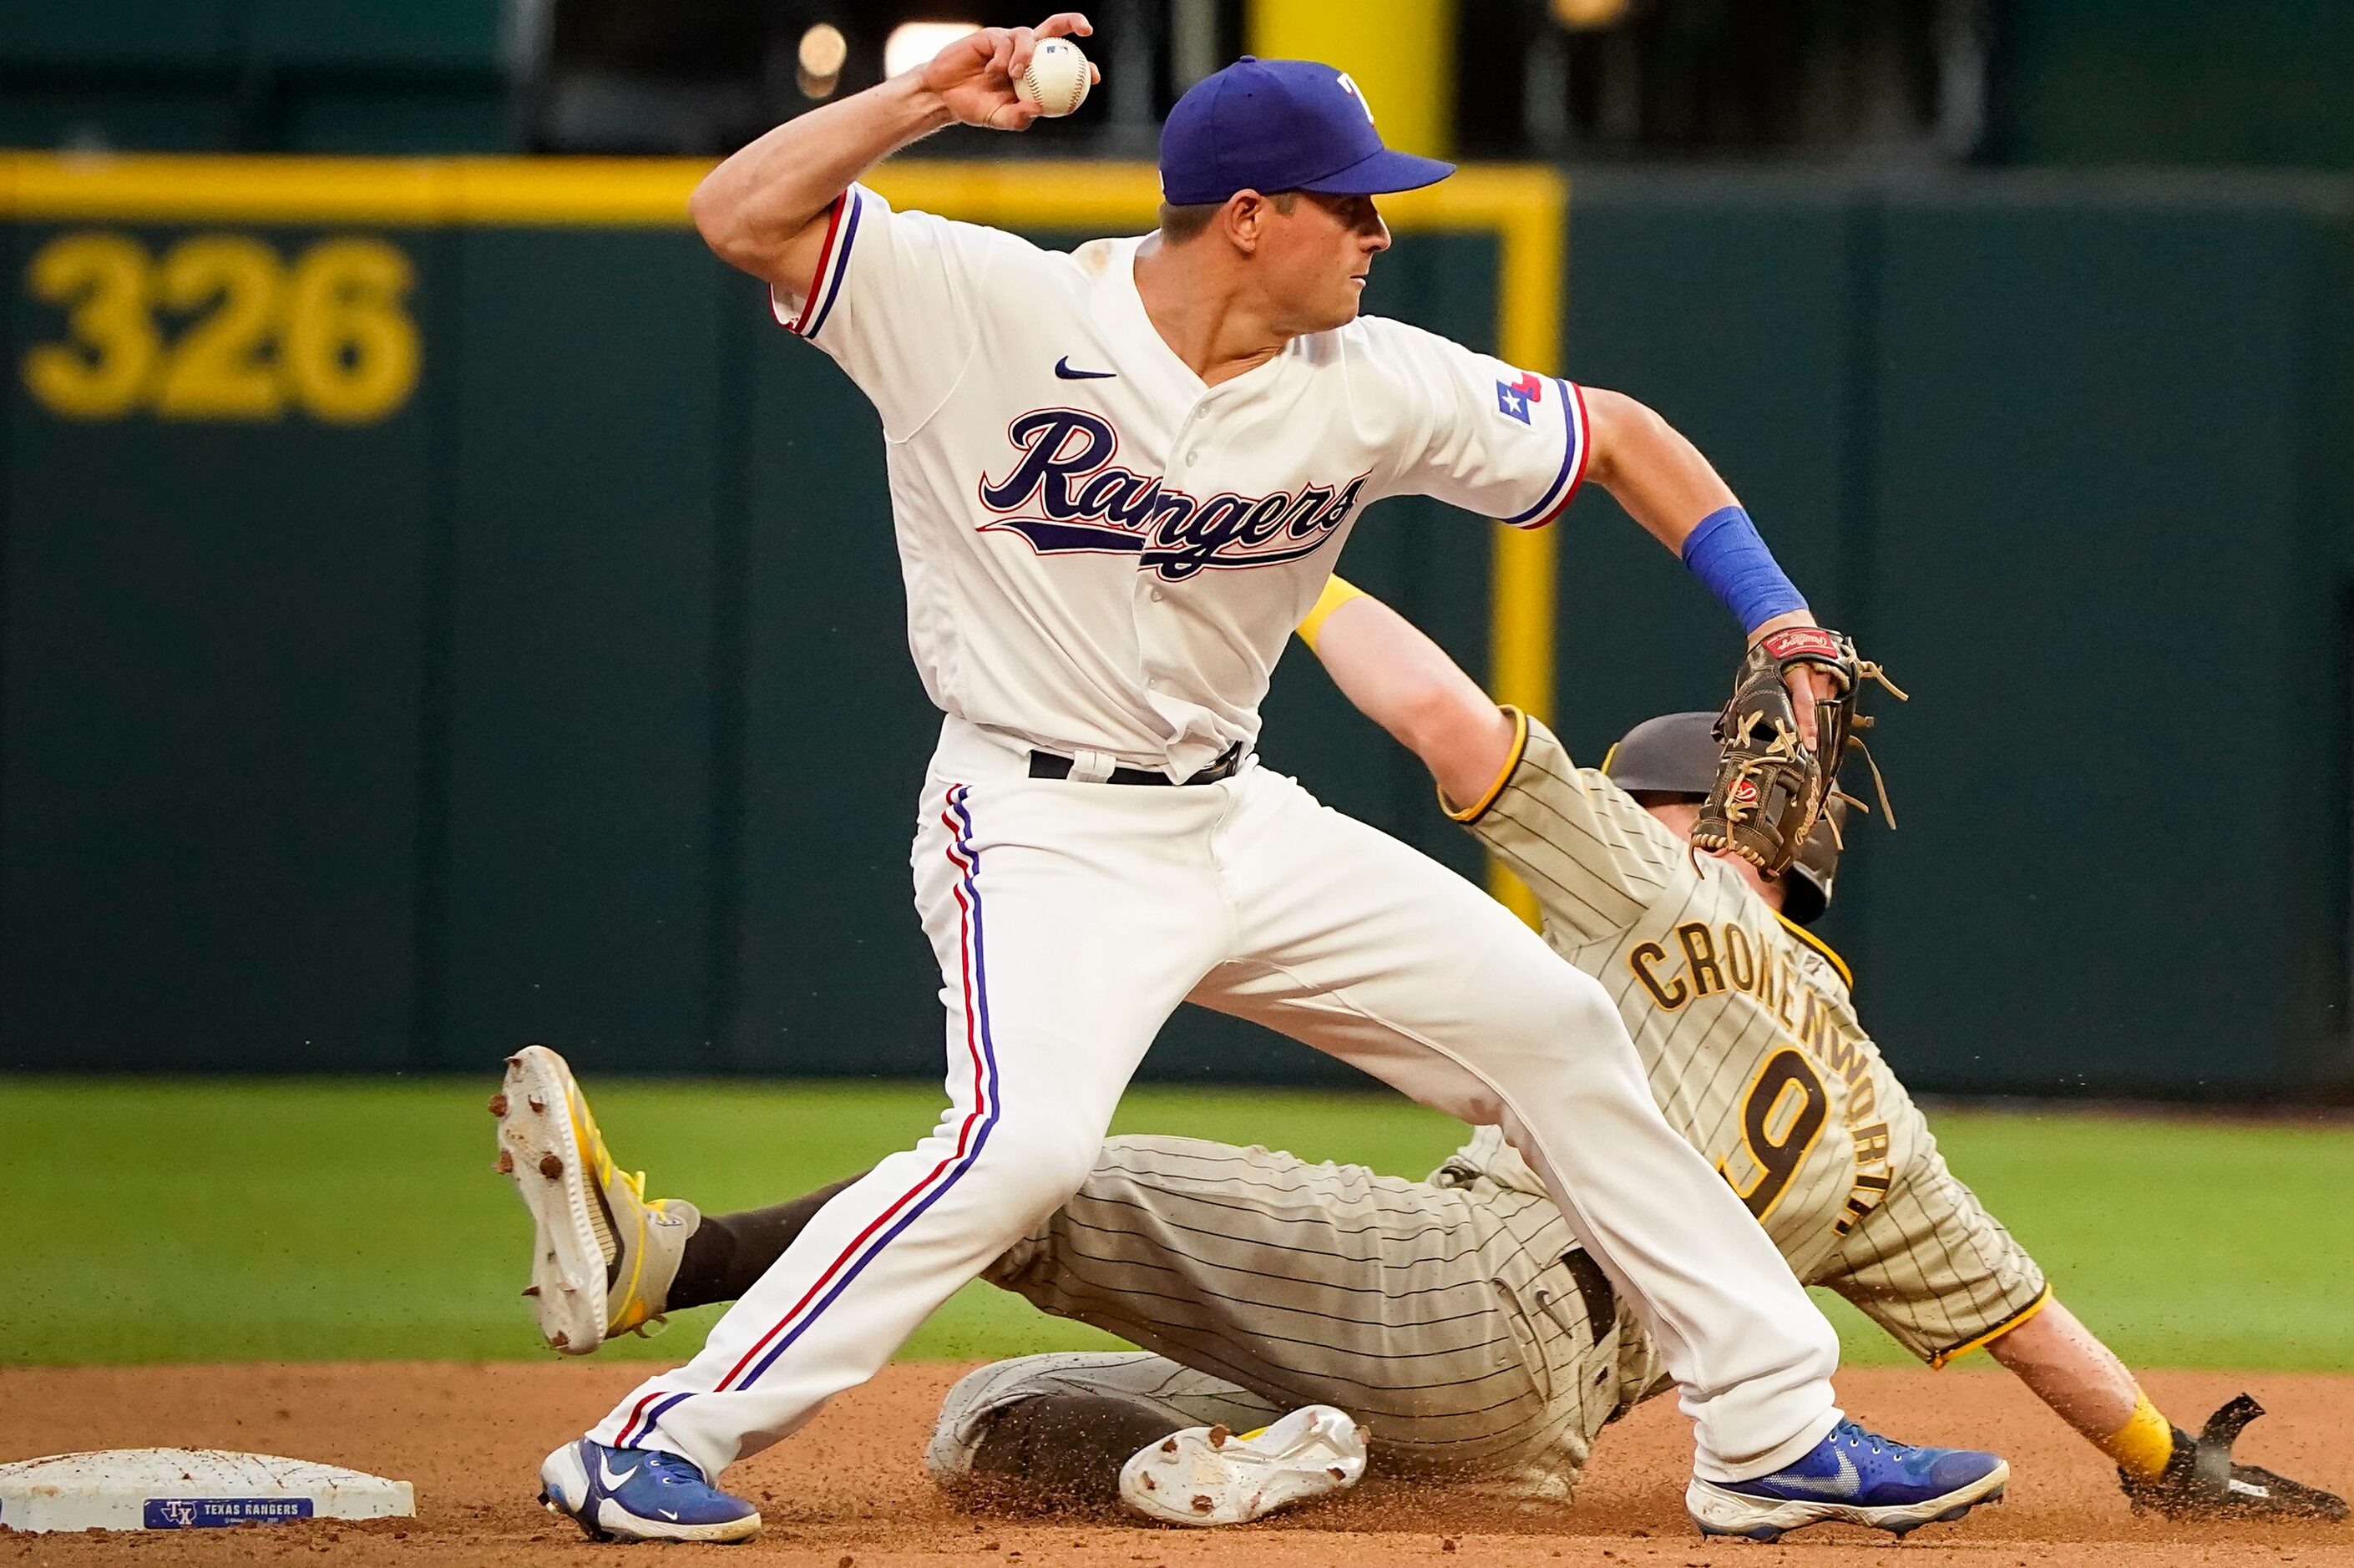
(1364, 949)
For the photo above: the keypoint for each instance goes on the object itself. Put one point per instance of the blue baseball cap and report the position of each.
(1281, 125)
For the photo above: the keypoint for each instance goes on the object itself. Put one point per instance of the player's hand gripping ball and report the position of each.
(1057, 81)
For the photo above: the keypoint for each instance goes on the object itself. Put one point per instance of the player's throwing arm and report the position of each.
(766, 209)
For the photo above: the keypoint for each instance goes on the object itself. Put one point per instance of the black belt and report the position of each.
(1046, 764)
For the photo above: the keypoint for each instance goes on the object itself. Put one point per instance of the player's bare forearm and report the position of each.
(761, 210)
(2160, 1466)
(1404, 682)
(1651, 468)
(1661, 479)
(2070, 1370)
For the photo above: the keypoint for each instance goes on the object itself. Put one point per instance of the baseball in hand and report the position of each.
(1056, 81)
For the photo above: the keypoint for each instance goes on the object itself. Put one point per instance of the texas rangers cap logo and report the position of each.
(1349, 85)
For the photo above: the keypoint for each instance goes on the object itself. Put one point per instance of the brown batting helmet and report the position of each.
(1676, 754)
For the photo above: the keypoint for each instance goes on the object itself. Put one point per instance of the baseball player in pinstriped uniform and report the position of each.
(1458, 1318)
(1120, 476)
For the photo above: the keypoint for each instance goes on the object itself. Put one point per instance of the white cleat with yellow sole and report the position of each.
(602, 1256)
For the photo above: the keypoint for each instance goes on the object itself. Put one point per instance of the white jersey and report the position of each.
(1102, 555)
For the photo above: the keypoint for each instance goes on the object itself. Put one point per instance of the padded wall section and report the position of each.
(586, 468)
(2092, 568)
(212, 681)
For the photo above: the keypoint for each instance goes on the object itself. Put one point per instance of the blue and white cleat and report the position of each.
(1852, 1477)
(640, 1494)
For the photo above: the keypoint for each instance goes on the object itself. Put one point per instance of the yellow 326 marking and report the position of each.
(329, 335)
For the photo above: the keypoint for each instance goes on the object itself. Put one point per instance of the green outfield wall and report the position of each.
(2251, 83)
(425, 628)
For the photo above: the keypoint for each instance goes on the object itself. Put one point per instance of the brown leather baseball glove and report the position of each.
(1770, 785)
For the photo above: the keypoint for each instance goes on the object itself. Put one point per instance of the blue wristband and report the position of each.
(1725, 553)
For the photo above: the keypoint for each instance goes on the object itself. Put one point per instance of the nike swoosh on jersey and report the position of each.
(604, 1473)
(1842, 1484)
(1063, 370)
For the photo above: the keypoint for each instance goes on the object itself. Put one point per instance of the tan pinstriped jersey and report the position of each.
(1757, 1057)
(1456, 1316)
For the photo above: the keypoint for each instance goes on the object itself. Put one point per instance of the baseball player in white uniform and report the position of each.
(1120, 476)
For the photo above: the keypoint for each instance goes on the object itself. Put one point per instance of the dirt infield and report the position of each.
(848, 1493)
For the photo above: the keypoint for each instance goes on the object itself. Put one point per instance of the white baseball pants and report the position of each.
(1070, 919)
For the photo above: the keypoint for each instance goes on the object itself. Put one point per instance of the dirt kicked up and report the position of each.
(848, 1492)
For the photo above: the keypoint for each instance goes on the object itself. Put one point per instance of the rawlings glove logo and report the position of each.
(1802, 642)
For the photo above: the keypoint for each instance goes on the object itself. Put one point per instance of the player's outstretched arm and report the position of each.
(1404, 682)
(2084, 1382)
(763, 210)
(1651, 468)
(2069, 1368)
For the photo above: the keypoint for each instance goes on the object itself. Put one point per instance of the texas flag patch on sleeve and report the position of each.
(1514, 399)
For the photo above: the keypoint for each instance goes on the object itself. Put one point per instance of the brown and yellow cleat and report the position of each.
(602, 1256)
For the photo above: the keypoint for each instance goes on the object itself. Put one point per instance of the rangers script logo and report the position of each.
(1077, 501)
